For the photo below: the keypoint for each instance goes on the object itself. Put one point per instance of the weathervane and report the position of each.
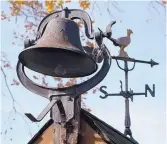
(122, 43)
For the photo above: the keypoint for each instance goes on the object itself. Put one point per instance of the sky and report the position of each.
(148, 41)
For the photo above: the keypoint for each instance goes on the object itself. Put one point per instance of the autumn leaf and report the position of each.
(67, 1)
(44, 82)
(3, 16)
(88, 109)
(20, 2)
(94, 91)
(80, 24)
(85, 93)
(7, 65)
(35, 77)
(58, 79)
(60, 85)
(68, 84)
(15, 82)
(50, 5)
(59, 3)
(164, 2)
(73, 81)
(84, 4)
(28, 26)
(91, 45)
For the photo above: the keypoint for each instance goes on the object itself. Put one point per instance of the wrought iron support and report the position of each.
(63, 100)
(43, 113)
(67, 96)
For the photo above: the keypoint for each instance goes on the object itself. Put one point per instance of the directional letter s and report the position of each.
(103, 91)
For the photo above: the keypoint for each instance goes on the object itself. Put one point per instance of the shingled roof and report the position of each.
(109, 134)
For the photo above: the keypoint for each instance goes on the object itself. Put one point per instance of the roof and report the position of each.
(109, 134)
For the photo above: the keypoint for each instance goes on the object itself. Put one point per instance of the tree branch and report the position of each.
(14, 101)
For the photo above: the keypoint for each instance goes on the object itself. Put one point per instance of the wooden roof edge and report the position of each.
(39, 133)
(87, 117)
(95, 124)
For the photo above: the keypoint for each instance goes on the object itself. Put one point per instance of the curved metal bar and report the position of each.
(87, 85)
(72, 91)
(62, 111)
(80, 14)
(27, 83)
(38, 89)
(132, 67)
(43, 113)
(119, 65)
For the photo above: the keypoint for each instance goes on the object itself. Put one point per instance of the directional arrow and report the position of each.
(151, 62)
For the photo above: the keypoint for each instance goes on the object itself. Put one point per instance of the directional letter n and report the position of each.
(152, 92)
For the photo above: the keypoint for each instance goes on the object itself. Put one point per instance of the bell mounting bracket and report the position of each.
(62, 99)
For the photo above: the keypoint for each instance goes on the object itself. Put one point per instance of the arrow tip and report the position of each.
(153, 63)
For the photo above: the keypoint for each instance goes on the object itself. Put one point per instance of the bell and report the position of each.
(59, 52)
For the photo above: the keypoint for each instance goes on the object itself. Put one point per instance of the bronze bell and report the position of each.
(59, 52)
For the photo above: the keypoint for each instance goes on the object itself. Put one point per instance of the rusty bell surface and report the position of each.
(59, 52)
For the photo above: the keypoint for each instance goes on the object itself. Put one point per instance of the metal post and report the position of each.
(67, 133)
(127, 113)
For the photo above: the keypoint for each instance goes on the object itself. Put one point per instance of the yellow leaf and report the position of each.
(35, 77)
(60, 85)
(49, 5)
(94, 91)
(58, 79)
(67, 1)
(90, 44)
(164, 2)
(85, 93)
(20, 2)
(80, 24)
(84, 4)
(68, 84)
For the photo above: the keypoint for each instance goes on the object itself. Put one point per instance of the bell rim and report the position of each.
(73, 49)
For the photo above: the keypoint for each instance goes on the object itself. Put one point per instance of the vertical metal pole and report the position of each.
(59, 134)
(127, 113)
(73, 126)
(67, 132)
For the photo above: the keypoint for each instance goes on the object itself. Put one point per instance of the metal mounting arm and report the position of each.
(43, 113)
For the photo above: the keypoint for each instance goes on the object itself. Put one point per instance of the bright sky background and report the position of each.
(148, 41)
